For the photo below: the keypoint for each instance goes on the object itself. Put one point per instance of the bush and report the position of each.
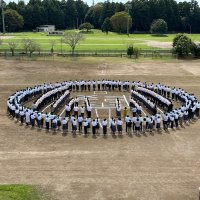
(159, 26)
(182, 45)
(86, 26)
(130, 51)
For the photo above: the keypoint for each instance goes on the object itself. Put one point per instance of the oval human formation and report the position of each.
(149, 107)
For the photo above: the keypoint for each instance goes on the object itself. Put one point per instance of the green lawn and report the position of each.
(18, 192)
(96, 40)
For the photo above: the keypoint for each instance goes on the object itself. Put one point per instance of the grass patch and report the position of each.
(95, 41)
(19, 192)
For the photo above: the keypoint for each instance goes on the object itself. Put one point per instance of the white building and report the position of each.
(46, 28)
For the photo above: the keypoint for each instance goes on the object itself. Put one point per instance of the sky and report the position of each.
(89, 2)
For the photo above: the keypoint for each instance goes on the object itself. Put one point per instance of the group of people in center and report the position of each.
(143, 94)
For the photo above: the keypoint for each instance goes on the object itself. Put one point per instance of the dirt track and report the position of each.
(158, 166)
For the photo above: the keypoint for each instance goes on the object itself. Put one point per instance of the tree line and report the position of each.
(68, 14)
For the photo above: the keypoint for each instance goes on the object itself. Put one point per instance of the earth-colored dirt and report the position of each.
(151, 166)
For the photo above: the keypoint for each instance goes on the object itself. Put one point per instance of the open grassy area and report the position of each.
(18, 192)
(99, 41)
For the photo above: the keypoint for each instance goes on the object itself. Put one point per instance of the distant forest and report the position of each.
(69, 14)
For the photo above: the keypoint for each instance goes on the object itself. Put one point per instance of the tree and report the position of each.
(136, 52)
(26, 43)
(33, 46)
(130, 51)
(182, 45)
(94, 14)
(72, 39)
(120, 21)
(86, 26)
(159, 26)
(13, 20)
(12, 46)
(107, 26)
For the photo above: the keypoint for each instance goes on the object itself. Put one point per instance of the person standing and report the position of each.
(98, 125)
(39, 121)
(127, 119)
(119, 125)
(94, 124)
(33, 120)
(47, 120)
(125, 111)
(82, 111)
(89, 111)
(118, 111)
(54, 124)
(80, 123)
(158, 121)
(104, 124)
(64, 125)
(137, 126)
(27, 118)
(129, 126)
(113, 126)
(85, 124)
(21, 113)
(74, 125)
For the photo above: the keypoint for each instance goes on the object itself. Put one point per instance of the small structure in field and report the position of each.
(46, 28)
(52, 33)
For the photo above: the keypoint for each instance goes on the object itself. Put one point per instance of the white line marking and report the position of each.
(143, 112)
(96, 113)
(47, 107)
(159, 110)
(100, 92)
(62, 112)
(126, 100)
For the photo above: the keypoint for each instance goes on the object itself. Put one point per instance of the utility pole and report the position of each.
(128, 7)
(3, 21)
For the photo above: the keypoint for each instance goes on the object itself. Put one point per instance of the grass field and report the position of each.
(99, 41)
(18, 192)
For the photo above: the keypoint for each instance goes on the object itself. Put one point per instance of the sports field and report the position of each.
(98, 41)
(148, 166)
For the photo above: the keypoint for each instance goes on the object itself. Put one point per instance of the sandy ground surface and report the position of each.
(158, 166)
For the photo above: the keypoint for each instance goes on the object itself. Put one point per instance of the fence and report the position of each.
(99, 53)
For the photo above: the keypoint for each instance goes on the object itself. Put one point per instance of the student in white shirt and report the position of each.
(85, 124)
(119, 125)
(104, 124)
(74, 125)
(82, 111)
(65, 125)
(80, 123)
(94, 124)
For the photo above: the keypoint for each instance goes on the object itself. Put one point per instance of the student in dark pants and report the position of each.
(104, 124)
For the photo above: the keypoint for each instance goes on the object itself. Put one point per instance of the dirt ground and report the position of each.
(163, 166)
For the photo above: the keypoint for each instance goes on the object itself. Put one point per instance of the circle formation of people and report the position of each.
(157, 99)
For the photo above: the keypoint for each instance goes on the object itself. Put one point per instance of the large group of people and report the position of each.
(79, 118)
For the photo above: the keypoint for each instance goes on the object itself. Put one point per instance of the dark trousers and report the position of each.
(47, 125)
(104, 130)
(85, 129)
(93, 130)
(80, 126)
